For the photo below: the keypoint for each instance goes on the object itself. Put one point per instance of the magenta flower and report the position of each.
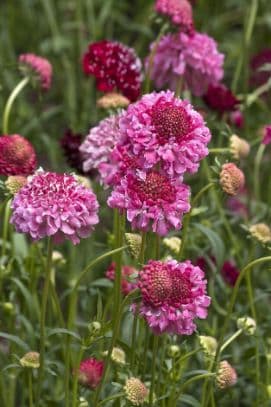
(173, 295)
(153, 200)
(195, 58)
(55, 205)
(90, 372)
(128, 274)
(40, 67)
(267, 135)
(99, 143)
(161, 128)
(179, 11)
(260, 76)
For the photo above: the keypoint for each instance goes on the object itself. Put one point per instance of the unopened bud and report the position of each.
(83, 181)
(82, 402)
(113, 101)
(14, 183)
(94, 328)
(209, 344)
(31, 360)
(247, 324)
(174, 351)
(232, 179)
(58, 257)
(134, 242)
(118, 356)
(173, 244)
(226, 375)
(261, 232)
(239, 147)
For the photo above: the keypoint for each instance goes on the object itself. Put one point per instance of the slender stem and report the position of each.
(5, 229)
(192, 380)
(10, 102)
(219, 151)
(256, 178)
(75, 378)
(30, 388)
(145, 351)
(230, 340)
(153, 367)
(43, 314)
(113, 397)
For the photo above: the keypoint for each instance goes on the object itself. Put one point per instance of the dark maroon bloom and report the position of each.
(115, 66)
(202, 263)
(70, 144)
(219, 97)
(259, 77)
(230, 272)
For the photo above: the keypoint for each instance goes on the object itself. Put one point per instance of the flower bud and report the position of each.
(226, 375)
(134, 242)
(8, 307)
(209, 345)
(118, 356)
(82, 402)
(58, 257)
(31, 360)
(112, 101)
(261, 232)
(232, 179)
(135, 391)
(173, 243)
(174, 351)
(83, 181)
(239, 147)
(14, 183)
(247, 324)
(94, 328)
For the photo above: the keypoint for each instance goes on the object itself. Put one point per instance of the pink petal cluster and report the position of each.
(161, 128)
(55, 205)
(267, 135)
(127, 274)
(173, 296)
(39, 66)
(151, 200)
(179, 11)
(90, 372)
(195, 58)
(97, 146)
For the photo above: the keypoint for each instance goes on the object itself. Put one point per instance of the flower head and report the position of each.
(226, 375)
(267, 135)
(195, 58)
(239, 147)
(14, 183)
(38, 66)
(179, 11)
(151, 200)
(30, 360)
(259, 76)
(54, 205)
(90, 372)
(160, 128)
(135, 391)
(230, 272)
(219, 97)
(97, 146)
(173, 243)
(247, 324)
(128, 273)
(209, 344)
(113, 101)
(17, 156)
(134, 243)
(70, 143)
(232, 179)
(173, 295)
(261, 232)
(115, 66)
(118, 356)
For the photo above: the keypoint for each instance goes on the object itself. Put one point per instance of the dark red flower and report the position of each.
(17, 156)
(259, 77)
(230, 272)
(115, 66)
(219, 97)
(202, 263)
(90, 372)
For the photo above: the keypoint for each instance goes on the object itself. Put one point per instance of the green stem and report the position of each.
(30, 388)
(75, 378)
(219, 150)
(153, 368)
(230, 340)
(192, 380)
(5, 228)
(113, 397)
(18, 88)
(256, 178)
(43, 314)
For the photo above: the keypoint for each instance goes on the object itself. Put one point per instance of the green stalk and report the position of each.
(189, 381)
(19, 87)
(153, 367)
(230, 340)
(219, 150)
(75, 378)
(256, 178)
(43, 315)
(5, 228)
(30, 388)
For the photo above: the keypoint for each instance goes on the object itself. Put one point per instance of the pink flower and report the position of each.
(55, 205)
(99, 143)
(127, 274)
(90, 372)
(153, 200)
(17, 156)
(195, 58)
(161, 128)
(230, 273)
(237, 119)
(267, 135)
(173, 295)
(179, 11)
(39, 66)
(115, 66)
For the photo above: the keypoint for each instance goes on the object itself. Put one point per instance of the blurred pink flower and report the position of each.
(54, 205)
(237, 119)
(90, 372)
(267, 135)
(173, 295)
(127, 274)
(179, 11)
(39, 66)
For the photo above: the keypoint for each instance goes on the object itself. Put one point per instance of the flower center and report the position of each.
(154, 187)
(170, 121)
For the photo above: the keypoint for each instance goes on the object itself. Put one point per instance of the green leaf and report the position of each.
(218, 248)
(189, 400)
(16, 340)
(63, 331)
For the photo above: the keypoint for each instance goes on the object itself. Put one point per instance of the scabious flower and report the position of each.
(54, 205)
(30, 360)
(97, 146)
(258, 75)
(267, 135)
(115, 66)
(195, 58)
(226, 375)
(173, 295)
(128, 273)
(135, 391)
(230, 272)
(239, 147)
(161, 128)
(112, 101)
(219, 97)
(261, 232)
(209, 345)
(90, 372)
(70, 143)
(41, 67)
(232, 179)
(151, 200)
(179, 11)
(17, 156)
